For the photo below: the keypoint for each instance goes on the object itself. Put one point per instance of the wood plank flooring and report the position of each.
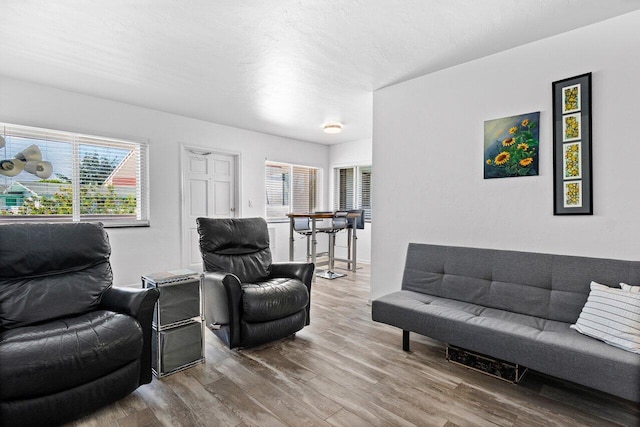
(346, 370)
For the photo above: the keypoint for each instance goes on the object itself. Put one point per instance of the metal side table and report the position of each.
(178, 321)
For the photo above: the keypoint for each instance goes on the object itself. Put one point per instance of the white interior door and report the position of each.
(209, 189)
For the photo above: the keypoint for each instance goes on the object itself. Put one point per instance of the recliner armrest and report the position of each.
(131, 301)
(223, 303)
(137, 303)
(302, 271)
(294, 270)
(216, 298)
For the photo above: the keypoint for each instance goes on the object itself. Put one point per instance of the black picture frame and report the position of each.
(572, 156)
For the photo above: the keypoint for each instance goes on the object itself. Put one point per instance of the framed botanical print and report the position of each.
(572, 173)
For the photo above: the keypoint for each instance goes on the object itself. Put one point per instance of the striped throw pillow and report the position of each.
(629, 288)
(613, 316)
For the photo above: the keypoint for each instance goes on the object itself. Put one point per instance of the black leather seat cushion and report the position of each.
(61, 354)
(273, 299)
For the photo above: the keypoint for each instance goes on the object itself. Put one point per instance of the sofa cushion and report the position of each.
(273, 299)
(48, 271)
(51, 357)
(613, 316)
(553, 287)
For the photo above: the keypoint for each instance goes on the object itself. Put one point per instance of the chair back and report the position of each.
(49, 271)
(336, 223)
(301, 224)
(339, 222)
(236, 245)
(359, 221)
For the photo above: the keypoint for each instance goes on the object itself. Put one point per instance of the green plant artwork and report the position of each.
(511, 146)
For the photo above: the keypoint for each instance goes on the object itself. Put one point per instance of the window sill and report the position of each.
(67, 219)
(277, 221)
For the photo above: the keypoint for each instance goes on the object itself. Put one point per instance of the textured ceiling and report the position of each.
(282, 67)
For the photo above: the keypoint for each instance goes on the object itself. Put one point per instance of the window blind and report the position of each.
(277, 183)
(304, 191)
(90, 178)
(344, 194)
(352, 189)
(364, 190)
(289, 188)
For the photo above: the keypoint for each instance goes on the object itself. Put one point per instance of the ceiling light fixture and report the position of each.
(332, 128)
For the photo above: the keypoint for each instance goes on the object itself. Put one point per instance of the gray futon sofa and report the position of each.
(514, 306)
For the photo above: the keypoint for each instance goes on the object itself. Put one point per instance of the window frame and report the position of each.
(140, 218)
(291, 192)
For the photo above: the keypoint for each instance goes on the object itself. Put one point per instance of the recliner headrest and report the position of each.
(32, 249)
(233, 236)
(236, 245)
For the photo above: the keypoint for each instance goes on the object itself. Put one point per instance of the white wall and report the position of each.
(355, 153)
(136, 251)
(428, 184)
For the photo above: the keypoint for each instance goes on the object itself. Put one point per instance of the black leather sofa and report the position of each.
(69, 342)
(248, 299)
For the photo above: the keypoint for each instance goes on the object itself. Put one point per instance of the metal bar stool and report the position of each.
(302, 226)
(335, 224)
(354, 224)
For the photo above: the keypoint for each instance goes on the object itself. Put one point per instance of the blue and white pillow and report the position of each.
(611, 315)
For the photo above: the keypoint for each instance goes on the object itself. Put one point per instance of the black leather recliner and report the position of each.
(70, 343)
(248, 299)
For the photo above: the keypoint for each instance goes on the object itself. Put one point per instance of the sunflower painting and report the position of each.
(511, 146)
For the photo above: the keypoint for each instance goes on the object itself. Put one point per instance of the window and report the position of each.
(353, 189)
(48, 175)
(290, 188)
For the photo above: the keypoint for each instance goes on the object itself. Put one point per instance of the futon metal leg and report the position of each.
(405, 340)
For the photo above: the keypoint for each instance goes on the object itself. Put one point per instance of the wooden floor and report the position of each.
(346, 370)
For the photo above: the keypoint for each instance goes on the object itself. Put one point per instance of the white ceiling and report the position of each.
(282, 67)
